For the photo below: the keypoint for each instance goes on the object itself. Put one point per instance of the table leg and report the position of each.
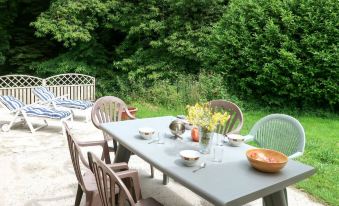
(276, 199)
(122, 154)
(165, 179)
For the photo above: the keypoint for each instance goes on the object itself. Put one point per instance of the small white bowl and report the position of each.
(189, 157)
(235, 139)
(146, 132)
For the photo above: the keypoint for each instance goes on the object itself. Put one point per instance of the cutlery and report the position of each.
(152, 141)
(202, 165)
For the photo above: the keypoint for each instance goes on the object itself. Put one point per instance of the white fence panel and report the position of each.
(76, 86)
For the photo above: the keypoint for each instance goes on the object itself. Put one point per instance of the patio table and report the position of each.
(232, 182)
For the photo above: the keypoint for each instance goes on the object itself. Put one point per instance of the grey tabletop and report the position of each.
(232, 182)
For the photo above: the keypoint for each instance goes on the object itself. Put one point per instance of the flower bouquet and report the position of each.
(202, 116)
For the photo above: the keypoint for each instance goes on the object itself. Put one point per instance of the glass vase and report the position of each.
(205, 139)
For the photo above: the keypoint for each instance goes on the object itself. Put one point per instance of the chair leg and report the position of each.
(92, 199)
(89, 199)
(78, 196)
(152, 171)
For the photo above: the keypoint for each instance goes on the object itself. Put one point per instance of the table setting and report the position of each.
(264, 160)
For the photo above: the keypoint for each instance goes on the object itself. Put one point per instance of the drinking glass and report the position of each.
(160, 138)
(218, 153)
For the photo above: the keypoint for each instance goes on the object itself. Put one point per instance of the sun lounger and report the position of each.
(48, 97)
(25, 113)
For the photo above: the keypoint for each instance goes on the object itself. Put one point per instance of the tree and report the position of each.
(280, 52)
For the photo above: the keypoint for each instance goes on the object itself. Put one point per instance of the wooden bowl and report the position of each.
(266, 160)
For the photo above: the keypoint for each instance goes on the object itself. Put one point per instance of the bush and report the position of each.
(279, 52)
(185, 90)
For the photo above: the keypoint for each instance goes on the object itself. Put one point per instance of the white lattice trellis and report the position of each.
(10, 81)
(76, 86)
(69, 79)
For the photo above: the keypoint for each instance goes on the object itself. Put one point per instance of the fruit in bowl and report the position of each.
(146, 132)
(266, 160)
(189, 157)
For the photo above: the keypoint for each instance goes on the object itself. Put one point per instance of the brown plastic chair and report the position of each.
(109, 182)
(109, 109)
(86, 180)
(235, 122)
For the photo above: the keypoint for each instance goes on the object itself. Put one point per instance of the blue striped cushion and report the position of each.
(33, 111)
(11, 102)
(76, 104)
(43, 93)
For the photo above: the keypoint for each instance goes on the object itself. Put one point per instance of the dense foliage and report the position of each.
(177, 51)
(280, 51)
(19, 47)
(146, 38)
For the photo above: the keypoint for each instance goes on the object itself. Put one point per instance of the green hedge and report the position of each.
(273, 52)
(280, 52)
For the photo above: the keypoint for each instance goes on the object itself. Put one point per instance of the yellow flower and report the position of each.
(202, 115)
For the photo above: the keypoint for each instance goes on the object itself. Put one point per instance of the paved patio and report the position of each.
(36, 170)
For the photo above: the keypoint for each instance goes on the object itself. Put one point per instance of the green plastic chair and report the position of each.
(279, 132)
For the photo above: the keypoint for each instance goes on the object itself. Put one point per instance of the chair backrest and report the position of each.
(11, 103)
(109, 183)
(107, 109)
(280, 132)
(235, 122)
(43, 93)
(76, 155)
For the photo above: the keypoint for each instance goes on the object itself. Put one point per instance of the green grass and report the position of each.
(322, 147)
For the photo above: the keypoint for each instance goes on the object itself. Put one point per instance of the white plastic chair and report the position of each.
(279, 132)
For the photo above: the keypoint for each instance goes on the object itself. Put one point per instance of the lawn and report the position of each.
(322, 148)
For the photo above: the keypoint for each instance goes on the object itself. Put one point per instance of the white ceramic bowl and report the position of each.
(146, 132)
(235, 139)
(189, 157)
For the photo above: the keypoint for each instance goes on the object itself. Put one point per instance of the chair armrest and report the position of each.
(118, 166)
(65, 95)
(129, 114)
(249, 138)
(91, 143)
(295, 155)
(103, 144)
(128, 174)
(58, 97)
(62, 96)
